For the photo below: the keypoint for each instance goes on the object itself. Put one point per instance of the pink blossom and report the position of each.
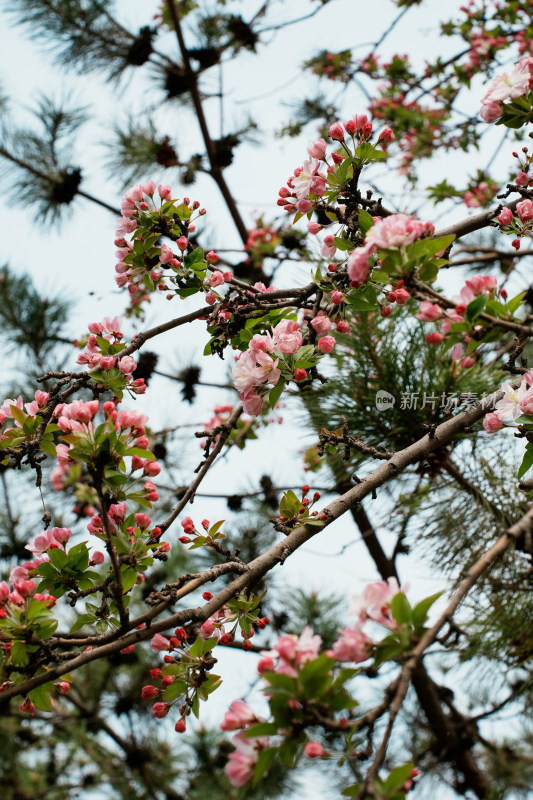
(394, 231)
(266, 369)
(355, 124)
(326, 344)
(107, 362)
(352, 645)
(526, 403)
(492, 423)
(321, 323)
(159, 643)
(143, 520)
(131, 419)
(314, 750)
(287, 336)
(5, 409)
(112, 325)
(208, 629)
(373, 603)
(386, 135)
(358, 263)
(506, 87)
(508, 407)
(336, 132)
(429, 312)
(505, 217)
(263, 342)
(97, 557)
(239, 716)
(299, 651)
(252, 403)
(216, 279)
(127, 364)
(243, 372)
(24, 588)
(61, 535)
(317, 149)
(306, 181)
(160, 710)
(304, 205)
(241, 763)
(490, 111)
(265, 664)
(329, 248)
(522, 179)
(524, 209)
(42, 542)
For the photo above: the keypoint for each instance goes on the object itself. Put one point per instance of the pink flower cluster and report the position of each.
(39, 402)
(372, 605)
(257, 368)
(306, 183)
(387, 233)
(106, 359)
(507, 87)
(432, 312)
(514, 403)
(291, 653)
(523, 226)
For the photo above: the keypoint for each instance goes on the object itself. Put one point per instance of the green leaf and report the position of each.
(194, 257)
(365, 221)
(420, 611)
(41, 696)
(263, 764)
(513, 304)
(138, 451)
(400, 608)
(48, 447)
(83, 619)
(527, 461)
(261, 729)
(275, 393)
(129, 576)
(428, 272)
(19, 654)
(58, 557)
(175, 689)
(351, 791)
(475, 307)
(280, 681)
(398, 776)
(343, 244)
(426, 248)
(18, 414)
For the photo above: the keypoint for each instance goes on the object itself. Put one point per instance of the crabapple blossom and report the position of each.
(395, 231)
(508, 408)
(314, 750)
(505, 217)
(241, 763)
(352, 645)
(429, 312)
(326, 344)
(239, 716)
(492, 423)
(321, 323)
